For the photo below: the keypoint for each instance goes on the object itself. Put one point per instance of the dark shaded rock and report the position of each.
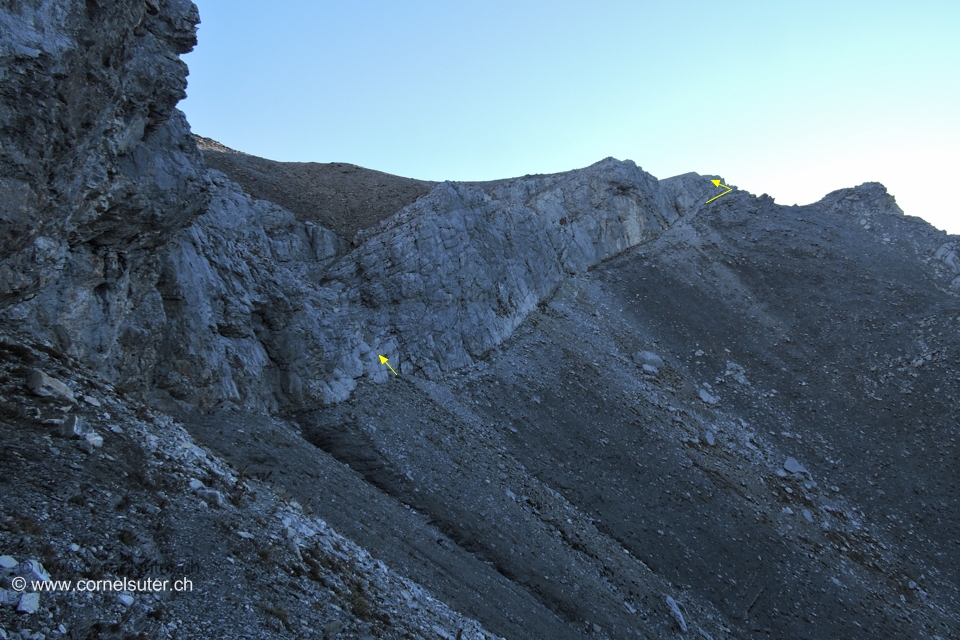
(94, 157)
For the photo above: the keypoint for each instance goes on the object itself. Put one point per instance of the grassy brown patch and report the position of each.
(280, 614)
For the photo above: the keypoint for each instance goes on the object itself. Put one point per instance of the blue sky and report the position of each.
(794, 99)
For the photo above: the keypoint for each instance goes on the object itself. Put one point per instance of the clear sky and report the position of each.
(794, 99)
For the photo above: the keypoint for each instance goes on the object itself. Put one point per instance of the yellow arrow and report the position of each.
(383, 360)
(717, 183)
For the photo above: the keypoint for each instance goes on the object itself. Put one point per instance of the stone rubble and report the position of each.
(313, 546)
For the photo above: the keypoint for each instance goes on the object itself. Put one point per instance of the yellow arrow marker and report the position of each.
(383, 360)
(717, 183)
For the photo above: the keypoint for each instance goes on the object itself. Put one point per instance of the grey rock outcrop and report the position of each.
(95, 163)
(276, 322)
(455, 273)
(947, 255)
(249, 306)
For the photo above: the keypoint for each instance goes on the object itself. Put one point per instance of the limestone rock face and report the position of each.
(260, 313)
(249, 306)
(95, 161)
(452, 275)
(221, 313)
(244, 317)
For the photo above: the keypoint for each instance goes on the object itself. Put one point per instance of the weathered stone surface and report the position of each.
(73, 426)
(251, 307)
(947, 255)
(247, 306)
(40, 384)
(95, 162)
(211, 496)
(92, 441)
(452, 275)
(93, 402)
(649, 358)
(676, 614)
(791, 465)
(707, 397)
(29, 603)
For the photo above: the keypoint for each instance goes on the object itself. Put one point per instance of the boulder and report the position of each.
(75, 427)
(707, 397)
(676, 614)
(95, 440)
(29, 603)
(211, 497)
(44, 386)
(91, 401)
(90, 442)
(648, 358)
(791, 465)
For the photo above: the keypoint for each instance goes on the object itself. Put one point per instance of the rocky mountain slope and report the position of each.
(342, 197)
(620, 411)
